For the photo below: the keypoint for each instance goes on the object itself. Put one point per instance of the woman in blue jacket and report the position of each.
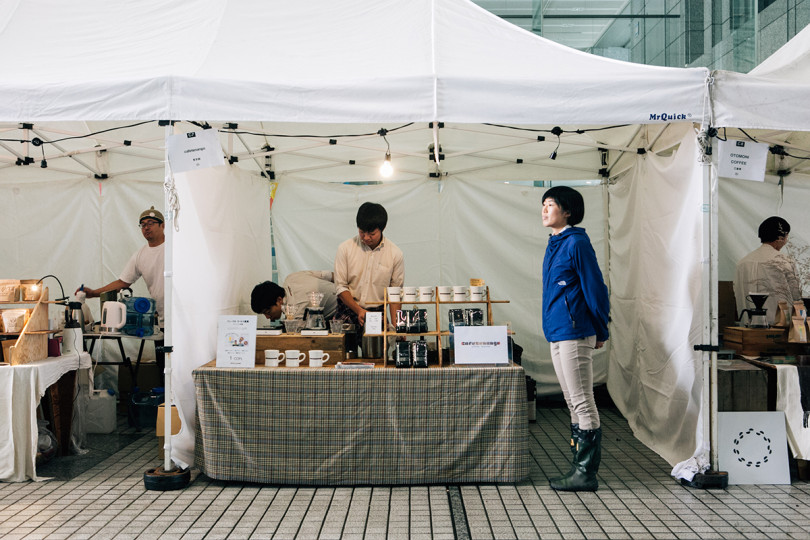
(575, 322)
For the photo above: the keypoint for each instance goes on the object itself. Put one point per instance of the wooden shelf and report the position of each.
(31, 332)
(27, 302)
(32, 341)
(438, 333)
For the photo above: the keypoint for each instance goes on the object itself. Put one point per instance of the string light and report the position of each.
(386, 169)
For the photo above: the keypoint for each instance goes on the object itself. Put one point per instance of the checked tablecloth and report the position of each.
(382, 426)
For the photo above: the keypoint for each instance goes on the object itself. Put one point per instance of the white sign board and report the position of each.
(742, 159)
(195, 150)
(753, 447)
(236, 341)
(480, 345)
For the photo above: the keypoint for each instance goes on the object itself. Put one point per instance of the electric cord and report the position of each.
(344, 135)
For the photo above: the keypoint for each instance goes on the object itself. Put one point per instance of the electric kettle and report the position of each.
(113, 317)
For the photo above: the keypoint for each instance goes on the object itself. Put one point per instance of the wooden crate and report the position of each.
(756, 341)
(741, 387)
(334, 344)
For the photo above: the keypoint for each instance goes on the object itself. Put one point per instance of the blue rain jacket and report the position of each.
(575, 297)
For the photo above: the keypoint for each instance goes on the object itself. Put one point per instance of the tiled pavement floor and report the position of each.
(101, 495)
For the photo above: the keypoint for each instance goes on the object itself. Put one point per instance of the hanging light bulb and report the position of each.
(386, 170)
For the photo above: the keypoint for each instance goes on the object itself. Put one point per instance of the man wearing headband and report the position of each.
(768, 270)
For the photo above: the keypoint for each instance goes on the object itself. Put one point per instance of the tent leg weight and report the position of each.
(159, 480)
(708, 480)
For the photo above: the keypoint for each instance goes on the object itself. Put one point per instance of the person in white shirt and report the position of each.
(365, 265)
(768, 270)
(268, 298)
(147, 262)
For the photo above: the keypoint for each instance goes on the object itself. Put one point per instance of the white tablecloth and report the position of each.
(789, 399)
(21, 388)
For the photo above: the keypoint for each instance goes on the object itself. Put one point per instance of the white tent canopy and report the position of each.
(295, 78)
(320, 61)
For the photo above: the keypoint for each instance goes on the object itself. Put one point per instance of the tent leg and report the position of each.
(168, 477)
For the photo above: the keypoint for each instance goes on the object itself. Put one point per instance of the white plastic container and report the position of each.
(101, 416)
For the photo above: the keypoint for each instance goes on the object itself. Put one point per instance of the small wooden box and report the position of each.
(334, 344)
(741, 387)
(756, 341)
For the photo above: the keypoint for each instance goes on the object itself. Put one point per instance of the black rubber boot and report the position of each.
(586, 463)
(574, 437)
(573, 441)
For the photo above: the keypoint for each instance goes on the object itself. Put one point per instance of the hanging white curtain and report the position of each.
(655, 376)
(220, 252)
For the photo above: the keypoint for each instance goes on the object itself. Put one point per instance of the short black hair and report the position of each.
(371, 216)
(569, 200)
(264, 296)
(772, 228)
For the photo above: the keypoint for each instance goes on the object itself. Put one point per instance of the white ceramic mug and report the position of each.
(394, 294)
(317, 358)
(272, 357)
(294, 357)
(425, 293)
(445, 293)
(476, 293)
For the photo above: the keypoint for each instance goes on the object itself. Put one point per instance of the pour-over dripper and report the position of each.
(758, 299)
(313, 314)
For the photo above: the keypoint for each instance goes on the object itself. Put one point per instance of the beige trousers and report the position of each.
(573, 365)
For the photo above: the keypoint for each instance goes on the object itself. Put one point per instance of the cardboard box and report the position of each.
(176, 424)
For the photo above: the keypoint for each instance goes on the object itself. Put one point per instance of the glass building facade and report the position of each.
(719, 34)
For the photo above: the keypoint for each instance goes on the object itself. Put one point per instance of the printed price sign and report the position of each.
(194, 150)
(236, 341)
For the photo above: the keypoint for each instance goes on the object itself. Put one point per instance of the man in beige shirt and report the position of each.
(365, 265)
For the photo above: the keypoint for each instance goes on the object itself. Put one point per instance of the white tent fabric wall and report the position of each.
(310, 220)
(744, 205)
(494, 231)
(220, 253)
(655, 378)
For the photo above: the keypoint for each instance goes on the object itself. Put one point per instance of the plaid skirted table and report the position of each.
(382, 426)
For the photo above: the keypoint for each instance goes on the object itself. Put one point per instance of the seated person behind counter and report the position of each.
(268, 298)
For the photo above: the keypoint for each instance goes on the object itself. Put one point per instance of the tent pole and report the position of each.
(168, 477)
(706, 326)
(167, 307)
(710, 178)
